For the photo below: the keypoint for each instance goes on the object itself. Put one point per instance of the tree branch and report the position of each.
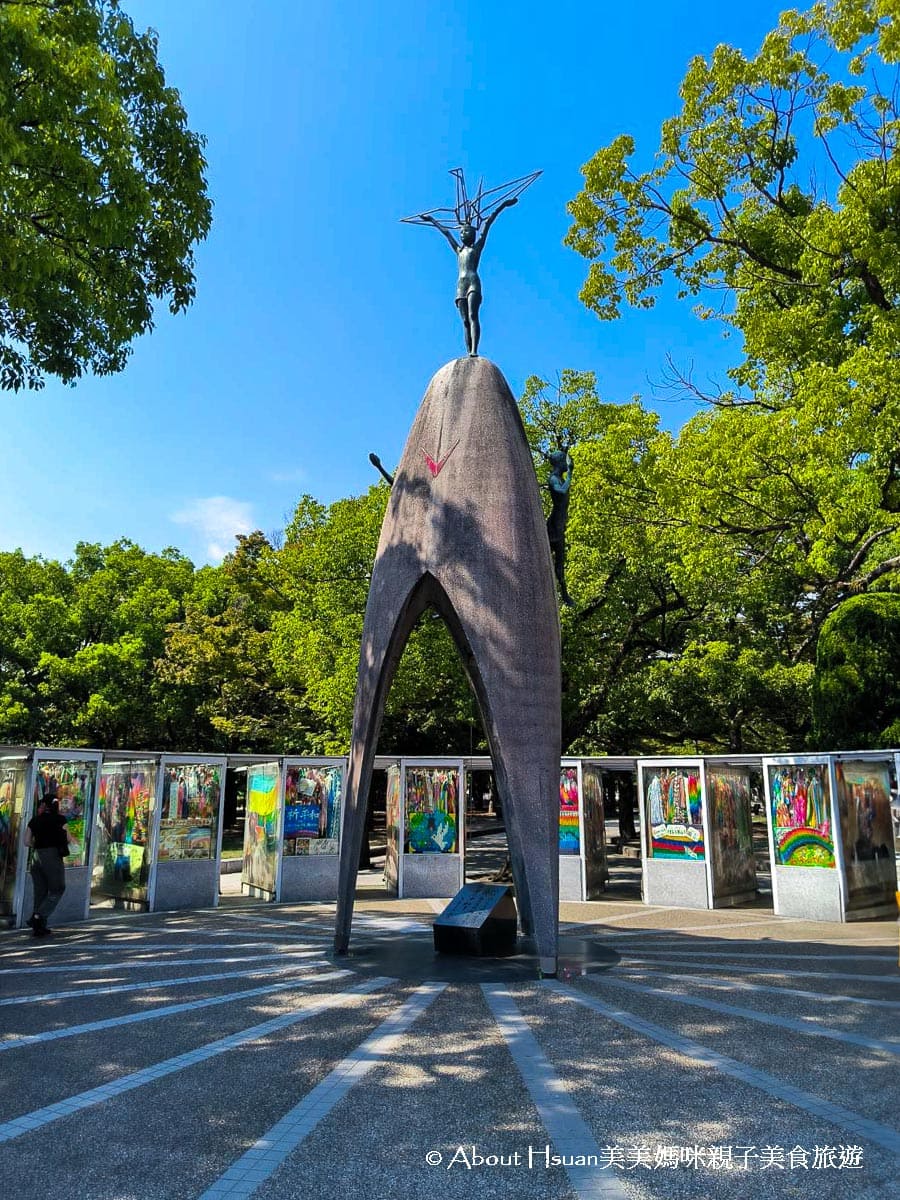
(857, 559)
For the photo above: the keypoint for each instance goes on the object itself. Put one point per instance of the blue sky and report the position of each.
(319, 317)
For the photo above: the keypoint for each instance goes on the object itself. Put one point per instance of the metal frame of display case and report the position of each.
(458, 858)
(321, 871)
(201, 867)
(663, 881)
(76, 900)
(275, 761)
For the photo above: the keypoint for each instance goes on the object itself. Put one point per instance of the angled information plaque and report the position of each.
(479, 920)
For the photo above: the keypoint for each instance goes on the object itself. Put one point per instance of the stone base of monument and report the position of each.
(411, 955)
(480, 921)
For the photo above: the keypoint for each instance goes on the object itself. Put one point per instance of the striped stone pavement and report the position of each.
(226, 1053)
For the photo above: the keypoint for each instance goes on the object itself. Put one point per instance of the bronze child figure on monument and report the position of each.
(560, 482)
(473, 218)
(468, 254)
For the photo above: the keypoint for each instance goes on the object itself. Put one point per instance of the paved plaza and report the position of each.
(225, 1053)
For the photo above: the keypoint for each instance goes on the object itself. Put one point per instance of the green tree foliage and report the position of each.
(122, 648)
(775, 201)
(34, 621)
(220, 654)
(79, 647)
(628, 614)
(103, 189)
(779, 525)
(778, 186)
(562, 415)
(856, 691)
(702, 566)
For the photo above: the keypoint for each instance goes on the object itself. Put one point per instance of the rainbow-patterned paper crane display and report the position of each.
(800, 813)
(673, 800)
(569, 832)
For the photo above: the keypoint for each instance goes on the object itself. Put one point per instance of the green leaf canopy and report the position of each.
(102, 186)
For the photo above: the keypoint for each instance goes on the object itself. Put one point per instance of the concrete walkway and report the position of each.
(223, 1053)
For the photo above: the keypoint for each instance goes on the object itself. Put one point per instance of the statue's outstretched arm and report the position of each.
(378, 465)
(486, 228)
(446, 232)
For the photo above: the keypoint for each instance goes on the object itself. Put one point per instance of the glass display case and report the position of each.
(675, 868)
(122, 856)
(730, 833)
(74, 783)
(313, 813)
(569, 809)
(188, 836)
(432, 803)
(800, 813)
(392, 825)
(596, 867)
(313, 796)
(673, 803)
(863, 788)
(807, 881)
(431, 821)
(262, 833)
(13, 782)
(189, 811)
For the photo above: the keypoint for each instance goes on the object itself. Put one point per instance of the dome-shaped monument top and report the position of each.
(472, 219)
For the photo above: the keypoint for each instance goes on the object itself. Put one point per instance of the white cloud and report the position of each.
(218, 520)
(296, 475)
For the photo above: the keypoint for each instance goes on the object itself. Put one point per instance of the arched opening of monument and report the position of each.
(434, 817)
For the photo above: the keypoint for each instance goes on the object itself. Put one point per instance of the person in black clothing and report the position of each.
(47, 837)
